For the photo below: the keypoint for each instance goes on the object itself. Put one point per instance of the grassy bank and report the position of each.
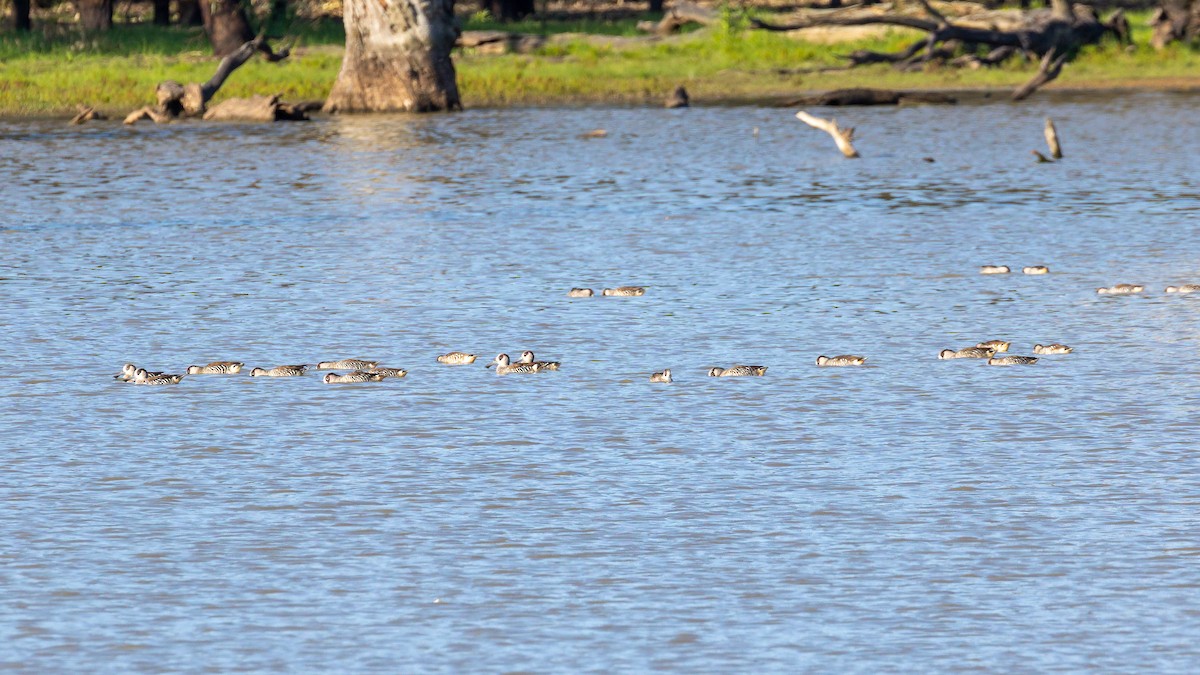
(117, 72)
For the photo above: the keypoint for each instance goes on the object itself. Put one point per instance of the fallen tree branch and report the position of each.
(86, 114)
(1049, 69)
(842, 137)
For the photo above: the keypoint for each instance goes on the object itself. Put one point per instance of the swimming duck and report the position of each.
(143, 377)
(279, 371)
(1052, 349)
(504, 367)
(580, 293)
(1012, 360)
(843, 360)
(1036, 269)
(995, 345)
(1186, 288)
(456, 358)
(129, 371)
(1121, 289)
(347, 364)
(216, 368)
(994, 269)
(388, 372)
(967, 353)
(527, 357)
(663, 376)
(352, 378)
(625, 291)
(738, 371)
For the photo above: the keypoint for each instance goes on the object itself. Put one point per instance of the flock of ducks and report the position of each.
(362, 370)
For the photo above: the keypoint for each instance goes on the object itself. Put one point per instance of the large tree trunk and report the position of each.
(397, 57)
(94, 15)
(21, 15)
(226, 24)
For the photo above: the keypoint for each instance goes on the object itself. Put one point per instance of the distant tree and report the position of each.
(21, 15)
(511, 10)
(189, 13)
(397, 57)
(226, 23)
(94, 15)
(162, 12)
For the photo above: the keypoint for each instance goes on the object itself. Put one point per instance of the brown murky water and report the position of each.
(911, 515)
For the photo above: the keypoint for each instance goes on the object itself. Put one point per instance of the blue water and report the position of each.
(911, 515)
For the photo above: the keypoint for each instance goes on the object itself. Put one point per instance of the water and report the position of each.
(910, 515)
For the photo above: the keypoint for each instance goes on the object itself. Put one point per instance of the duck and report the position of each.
(1186, 288)
(843, 360)
(217, 368)
(580, 293)
(527, 357)
(994, 269)
(388, 372)
(1035, 269)
(129, 371)
(1012, 360)
(1121, 289)
(1052, 349)
(353, 378)
(279, 371)
(967, 353)
(661, 376)
(504, 366)
(143, 377)
(456, 358)
(738, 371)
(995, 345)
(347, 364)
(625, 291)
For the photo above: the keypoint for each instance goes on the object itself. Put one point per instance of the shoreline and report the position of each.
(984, 95)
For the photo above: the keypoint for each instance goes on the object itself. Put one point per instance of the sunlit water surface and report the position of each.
(911, 515)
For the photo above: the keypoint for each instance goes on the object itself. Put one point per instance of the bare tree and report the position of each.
(94, 15)
(397, 57)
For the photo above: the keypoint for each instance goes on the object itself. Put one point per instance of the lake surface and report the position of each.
(911, 515)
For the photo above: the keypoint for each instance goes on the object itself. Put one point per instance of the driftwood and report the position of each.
(1049, 69)
(678, 98)
(844, 97)
(679, 15)
(191, 100)
(842, 137)
(86, 114)
(1052, 139)
(1060, 30)
(1175, 21)
(259, 109)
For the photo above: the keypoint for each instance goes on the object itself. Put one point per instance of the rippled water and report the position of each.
(910, 515)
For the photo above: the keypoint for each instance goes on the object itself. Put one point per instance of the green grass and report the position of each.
(49, 72)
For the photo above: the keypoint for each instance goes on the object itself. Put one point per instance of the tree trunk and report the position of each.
(95, 15)
(226, 24)
(656, 6)
(162, 12)
(397, 57)
(21, 15)
(189, 13)
(511, 10)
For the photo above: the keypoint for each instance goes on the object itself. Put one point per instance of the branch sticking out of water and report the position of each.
(842, 137)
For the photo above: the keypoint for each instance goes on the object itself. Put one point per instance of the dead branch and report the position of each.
(86, 114)
(1049, 69)
(1052, 139)
(860, 96)
(842, 137)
